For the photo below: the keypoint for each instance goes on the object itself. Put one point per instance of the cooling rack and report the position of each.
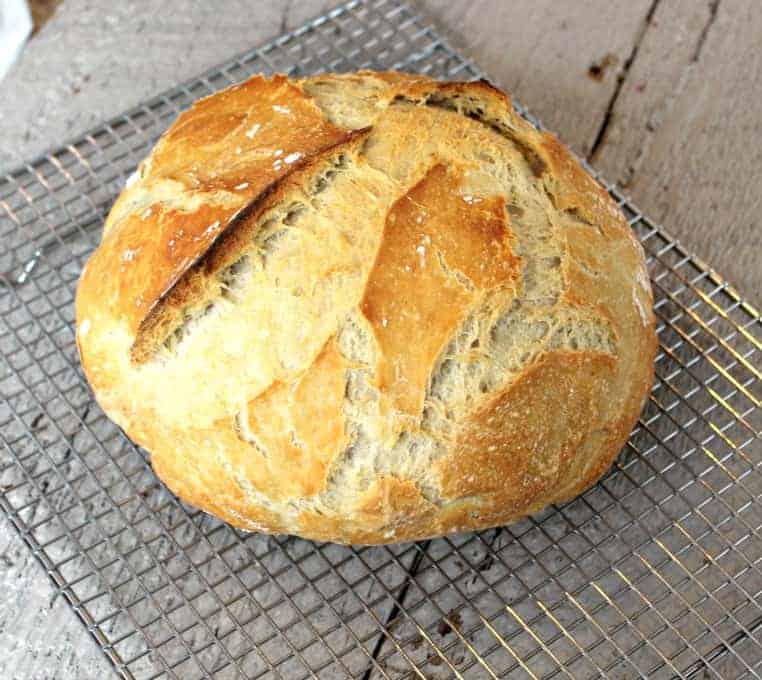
(655, 572)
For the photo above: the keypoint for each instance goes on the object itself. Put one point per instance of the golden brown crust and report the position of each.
(217, 158)
(367, 308)
(426, 237)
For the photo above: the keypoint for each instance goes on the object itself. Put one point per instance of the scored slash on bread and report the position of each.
(367, 308)
(207, 277)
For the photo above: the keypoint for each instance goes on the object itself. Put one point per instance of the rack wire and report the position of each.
(655, 572)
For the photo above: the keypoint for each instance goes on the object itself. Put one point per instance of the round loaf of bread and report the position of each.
(367, 308)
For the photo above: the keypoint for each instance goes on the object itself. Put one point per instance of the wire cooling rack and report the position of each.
(655, 572)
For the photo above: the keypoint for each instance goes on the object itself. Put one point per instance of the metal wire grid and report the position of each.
(655, 572)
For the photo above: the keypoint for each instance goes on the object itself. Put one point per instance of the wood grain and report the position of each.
(685, 138)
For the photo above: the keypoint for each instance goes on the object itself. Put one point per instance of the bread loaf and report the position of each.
(367, 308)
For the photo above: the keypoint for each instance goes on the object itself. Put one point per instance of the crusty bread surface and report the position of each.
(367, 308)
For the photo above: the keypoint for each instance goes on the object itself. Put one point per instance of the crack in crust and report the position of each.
(453, 99)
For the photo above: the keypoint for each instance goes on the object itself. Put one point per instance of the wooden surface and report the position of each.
(664, 96)
(688, 145)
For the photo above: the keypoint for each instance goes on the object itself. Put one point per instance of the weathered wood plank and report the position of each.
(650, 86)
(685, 132)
